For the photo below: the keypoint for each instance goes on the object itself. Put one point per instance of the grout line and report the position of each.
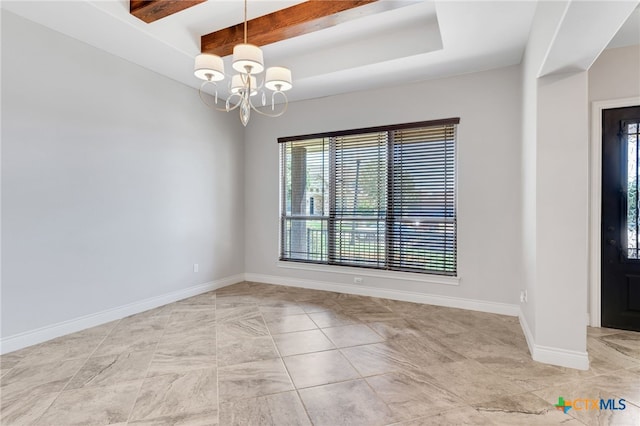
(295, 388)
(78, 370)
(217, 361)
(155, 349)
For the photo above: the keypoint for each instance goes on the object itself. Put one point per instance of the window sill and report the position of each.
(348, 270)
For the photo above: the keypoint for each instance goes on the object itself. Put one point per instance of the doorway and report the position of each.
(620, 224)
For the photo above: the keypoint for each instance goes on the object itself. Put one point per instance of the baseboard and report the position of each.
(28, 338)
(551, 355)
(387, 293)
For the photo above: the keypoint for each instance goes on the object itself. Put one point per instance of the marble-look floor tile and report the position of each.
(112, 369)
(12, 359)
(347, 403)
(626, 342)
(159, 311)
(226, 300)
(413, 395)
(134, 339)
(318, 304)
(253, 379)
(236, 312)
(142, 321)
(27, 381)
(396, 329)
(529, 374)
(208, 417)
(252, 326)
(600, 331)
(352, 335)
(238, 288)
(524, 409)
(319, 368)
(408, 309)
(178, 395)
(430, 365)
(374, 315)
(92, 406)
(179, 354)
(426, 351)
(435, 324)
(238, 351)
(473, 382)
(282, 409)
(290, 323)
(25, 410)
(326, 319)
(76, 345)
(208, 298)
(277, 310)
(301, 342)
(191, 317)
(475, 345)
(378, 358)
(4, 371)
(604, 358)
(459, 416)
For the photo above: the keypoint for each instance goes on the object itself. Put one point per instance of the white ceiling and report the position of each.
(629, 34)
(421, 40)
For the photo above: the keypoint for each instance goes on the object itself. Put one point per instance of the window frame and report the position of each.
(430, 275)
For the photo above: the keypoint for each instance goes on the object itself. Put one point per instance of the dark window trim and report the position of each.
(443, 122)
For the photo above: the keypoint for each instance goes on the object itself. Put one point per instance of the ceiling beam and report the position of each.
(293, 21)
(152, 10)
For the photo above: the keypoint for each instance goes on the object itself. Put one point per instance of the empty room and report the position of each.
(324, 212)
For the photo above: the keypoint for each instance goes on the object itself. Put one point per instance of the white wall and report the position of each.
(115, 181)
(488, 104)
(555, 199)
(615, 74)
(562, 212)
(547, 18)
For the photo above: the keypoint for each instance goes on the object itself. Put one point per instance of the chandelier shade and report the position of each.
(248, 58)
(278, 79)
(209, 67)
(239, 83)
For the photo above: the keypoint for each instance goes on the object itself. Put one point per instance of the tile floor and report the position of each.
(256, 354)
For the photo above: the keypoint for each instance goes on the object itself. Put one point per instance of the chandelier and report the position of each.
(243, 86)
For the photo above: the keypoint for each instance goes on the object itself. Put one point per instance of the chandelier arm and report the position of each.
(278, 114)
(212, 106)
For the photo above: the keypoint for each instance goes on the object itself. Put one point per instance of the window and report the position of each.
(381, 198)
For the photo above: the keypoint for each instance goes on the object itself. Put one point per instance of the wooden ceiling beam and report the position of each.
(293, 21)
(152, 10)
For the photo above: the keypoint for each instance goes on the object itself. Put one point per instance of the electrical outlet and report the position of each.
(196, 267)
(357, 280)
(523, 296)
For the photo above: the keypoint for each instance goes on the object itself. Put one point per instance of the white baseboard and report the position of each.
(32, 337)
(551, 355)
(387, 293)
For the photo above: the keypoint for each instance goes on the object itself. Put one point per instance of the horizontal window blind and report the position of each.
(422, 205)
(382, 198)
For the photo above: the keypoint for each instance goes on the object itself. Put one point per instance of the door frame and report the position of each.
(595, 203)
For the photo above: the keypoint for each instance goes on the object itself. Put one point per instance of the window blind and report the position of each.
(381, 197)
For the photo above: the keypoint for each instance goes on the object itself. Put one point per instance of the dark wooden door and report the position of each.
(621, 218)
